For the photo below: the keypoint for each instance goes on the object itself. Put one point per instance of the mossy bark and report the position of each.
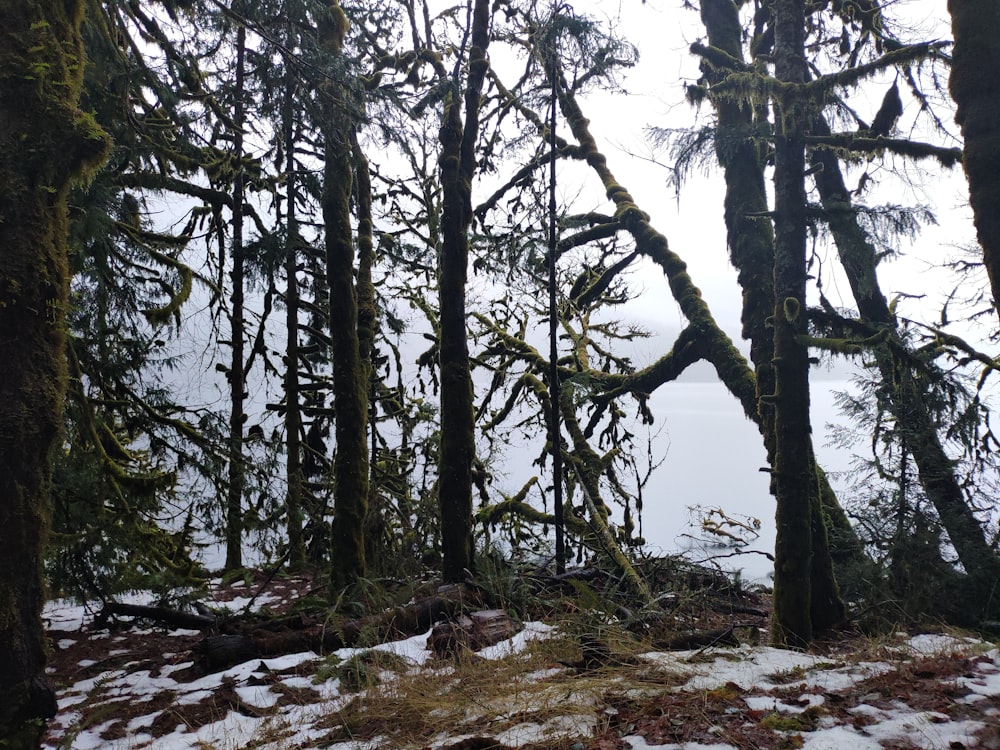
(350, 371)
(935, 469)
(740, 147)
(457, 168)
(367, 322)
(975, 87)
(717, 348)
(793, 467)
(46, 143)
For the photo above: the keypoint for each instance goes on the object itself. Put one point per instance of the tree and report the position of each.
(294, 475)
(794, 475)
(976, 91)
(48, 144)
(350, 371)
(742, 144)
(458, 165)
(237, 374)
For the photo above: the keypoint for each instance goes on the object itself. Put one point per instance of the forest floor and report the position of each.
(124, 685)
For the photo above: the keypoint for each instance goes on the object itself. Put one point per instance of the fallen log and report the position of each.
(698, 639)
(172, 618)
(473, 631)
(217, 652)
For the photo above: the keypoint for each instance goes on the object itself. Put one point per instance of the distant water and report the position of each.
(713, 460)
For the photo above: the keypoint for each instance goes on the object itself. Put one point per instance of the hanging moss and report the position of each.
(159, 316)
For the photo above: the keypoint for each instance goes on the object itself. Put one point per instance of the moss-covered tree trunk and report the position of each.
(741, 147)
(457, 166)
(975, 87)
(793, 467)
(237, 379)
(46, 143)
(350, 372)
(935, 469)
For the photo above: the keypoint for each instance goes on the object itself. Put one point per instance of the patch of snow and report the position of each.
(193, 696)
(298, 682)
(929, 644)
(542, 674)
(926, 729)
(770, 703)
(765, 668)
(413, 649)
(169, 669)
(258, 696)
(838, 738)
(638, 743)
(532, 631)
(558, 727)
(66, 701)
(288, 661)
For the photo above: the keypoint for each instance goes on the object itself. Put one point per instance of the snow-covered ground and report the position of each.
(138, 687)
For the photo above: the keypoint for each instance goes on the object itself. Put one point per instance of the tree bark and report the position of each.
(46, 143)
(458, 441)
(935, 469)
(237, 379)
(975, 87)
(740, 150)
(793, 469)
(350, 372)
(293, 412)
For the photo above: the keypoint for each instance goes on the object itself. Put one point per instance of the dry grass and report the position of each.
(515, 697)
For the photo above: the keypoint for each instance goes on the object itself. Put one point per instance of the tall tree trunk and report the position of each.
(751, 244)
(367, 318)
(293, 413)
(458, 444)
(350, 373)
(46, 143)
(237, 379)
(975, 87)
(793, 466)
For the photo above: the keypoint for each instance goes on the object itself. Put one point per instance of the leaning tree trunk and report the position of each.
(732, 369)
(975, 87)
(793, 473)
(935, 469)
(350, 373)
(458, 443)
(46, 143)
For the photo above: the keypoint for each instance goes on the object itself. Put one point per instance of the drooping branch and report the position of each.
(860, 144)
